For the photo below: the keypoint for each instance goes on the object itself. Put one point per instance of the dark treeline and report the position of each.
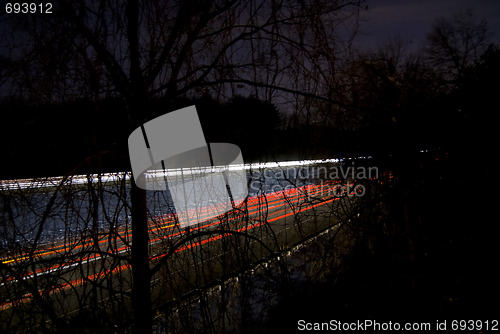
(395, 107)
(80, 137)
(388, 101)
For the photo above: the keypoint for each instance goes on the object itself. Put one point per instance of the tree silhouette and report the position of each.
(456, 43)
(136, 50)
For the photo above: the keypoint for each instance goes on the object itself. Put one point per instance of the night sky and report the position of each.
(413, 19)
(409, 19)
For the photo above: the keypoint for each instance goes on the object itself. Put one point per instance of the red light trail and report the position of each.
(281, 201)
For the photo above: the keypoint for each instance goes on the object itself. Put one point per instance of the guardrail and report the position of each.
(118, 176)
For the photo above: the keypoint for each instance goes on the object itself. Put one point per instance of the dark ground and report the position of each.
(432, 256)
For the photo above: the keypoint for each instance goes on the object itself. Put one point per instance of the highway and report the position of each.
(269, 220)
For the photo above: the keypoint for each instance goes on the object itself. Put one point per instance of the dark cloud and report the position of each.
(413, 19)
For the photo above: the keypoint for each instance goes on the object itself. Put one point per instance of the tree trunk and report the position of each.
(141, 291)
